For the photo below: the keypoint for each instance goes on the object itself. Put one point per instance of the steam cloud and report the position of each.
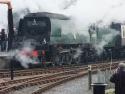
(82, 12)
(24, 54)
(106, 38)
(78, 53)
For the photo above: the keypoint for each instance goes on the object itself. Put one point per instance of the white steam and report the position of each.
(78, 53)
(82, 12)
(106, 38)
(24, 55)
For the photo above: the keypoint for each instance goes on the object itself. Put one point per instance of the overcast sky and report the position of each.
(83, 12)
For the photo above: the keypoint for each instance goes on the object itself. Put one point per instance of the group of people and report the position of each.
(118, 78)
(3, 40)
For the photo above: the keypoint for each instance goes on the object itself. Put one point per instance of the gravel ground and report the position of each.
(26, 90)
(77, 86)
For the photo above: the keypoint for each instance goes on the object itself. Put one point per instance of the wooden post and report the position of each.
(89, 76)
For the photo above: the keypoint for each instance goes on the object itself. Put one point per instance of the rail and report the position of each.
(50, 80)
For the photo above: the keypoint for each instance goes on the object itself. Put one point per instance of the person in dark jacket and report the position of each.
(3, 38)
(10, 22)
(118, 78)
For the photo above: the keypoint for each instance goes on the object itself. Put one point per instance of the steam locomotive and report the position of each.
(42, 31)
(37, 31)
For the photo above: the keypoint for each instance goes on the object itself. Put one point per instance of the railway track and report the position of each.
(36, 72)
(49, 80)
(28, 72)
(11, 86)
(4, 73)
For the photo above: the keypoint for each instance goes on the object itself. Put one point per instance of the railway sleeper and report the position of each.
(25, 73)
(25, 85)
(16, 81)
(50, 85)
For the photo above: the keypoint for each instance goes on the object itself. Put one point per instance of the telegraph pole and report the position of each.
(10, 37)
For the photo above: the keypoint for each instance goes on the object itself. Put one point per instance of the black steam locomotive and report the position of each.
(41, 32)
(36, 31)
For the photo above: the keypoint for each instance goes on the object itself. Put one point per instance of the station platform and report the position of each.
(6, 54)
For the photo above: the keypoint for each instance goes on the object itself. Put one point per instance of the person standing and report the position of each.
(118, 78)
(3, 38)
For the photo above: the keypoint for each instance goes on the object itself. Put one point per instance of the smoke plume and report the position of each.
(107, 37)
(82, 12)
(23, 54)
(78, 53)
